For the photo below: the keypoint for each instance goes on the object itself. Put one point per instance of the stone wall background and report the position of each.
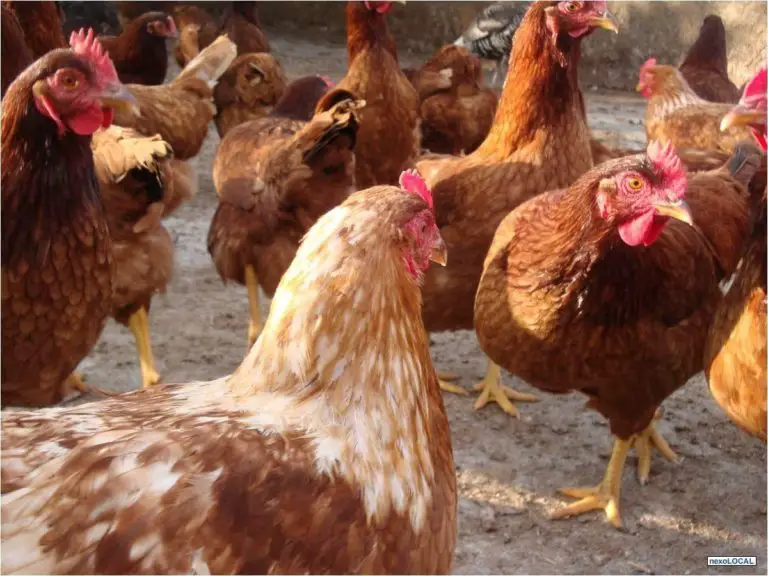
(663, 30)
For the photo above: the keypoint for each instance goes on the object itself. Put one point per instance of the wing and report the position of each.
(124, 486)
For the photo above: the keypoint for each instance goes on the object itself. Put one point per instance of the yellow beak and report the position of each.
(606, 21)
(678, 210)
(740, 115)
(118, 96)
(640, 87)
(439, 254)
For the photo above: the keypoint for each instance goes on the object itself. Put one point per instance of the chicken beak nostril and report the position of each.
(606, 20)
(678, 210)
(118, 96)
(439, 252)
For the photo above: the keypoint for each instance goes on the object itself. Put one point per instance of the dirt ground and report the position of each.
(712, 503)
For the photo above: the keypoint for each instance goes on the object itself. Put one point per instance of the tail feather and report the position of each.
(211, 62)
(345, 120)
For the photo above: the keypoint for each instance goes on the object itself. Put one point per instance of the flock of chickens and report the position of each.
(619, 274)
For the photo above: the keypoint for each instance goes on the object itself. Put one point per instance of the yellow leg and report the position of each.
(604, 496)
(644, 444)
(255, 325)
(494, 391)
(139, 325)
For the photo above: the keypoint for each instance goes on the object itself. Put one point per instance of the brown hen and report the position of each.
(249, 88)
(139, 185)
(539, 140)
(181, 110)
(705, 67)
(275, 177)
(139, 52)
(735, 357)
(389, 136)
(56, 248)
(241, 24)
(197, 29)
(677, 114)
(327, 452)
(594, 289)
(457, 120)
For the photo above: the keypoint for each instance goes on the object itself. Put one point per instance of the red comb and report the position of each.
(89, 47)
(669, 167)
(171, 26)
(756, 88)
(412, 181)
(650, 63)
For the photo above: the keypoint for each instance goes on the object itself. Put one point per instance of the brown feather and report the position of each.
(566, 305)
(265, 471)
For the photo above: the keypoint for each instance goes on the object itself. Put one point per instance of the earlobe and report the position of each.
(605, 189)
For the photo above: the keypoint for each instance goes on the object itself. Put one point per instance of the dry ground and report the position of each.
(712, 503)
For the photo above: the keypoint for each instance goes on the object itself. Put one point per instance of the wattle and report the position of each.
(641, 229)
(88, 121)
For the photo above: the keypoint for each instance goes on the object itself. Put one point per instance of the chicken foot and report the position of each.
(139, 325)
(494, 391)
(604, 496)
(444, 379)
(255, 324)
(74, 386)
(644, 443)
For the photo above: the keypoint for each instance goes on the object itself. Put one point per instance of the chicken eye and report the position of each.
(635, 184)
(572, 6)
(69, 82)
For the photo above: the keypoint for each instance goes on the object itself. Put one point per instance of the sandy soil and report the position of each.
(712, 503)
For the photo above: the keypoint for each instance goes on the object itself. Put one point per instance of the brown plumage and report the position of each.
(735, 356)
(41, 24)
(275, 177)
(705, 67)
(56, 248)
(269, 470)
(300, 98)
(426, 82)
(139, 185)
(568, 302)
(139, 52)
(197, 29)
(457, 120)
(249, 88)
(181, 110)
(241, 24)
(677, 114)
(389, 135)
(15, 53)
(539, 140)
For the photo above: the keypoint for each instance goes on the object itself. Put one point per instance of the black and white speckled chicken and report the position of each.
(491, 32)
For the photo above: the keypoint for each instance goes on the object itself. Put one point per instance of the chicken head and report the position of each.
(640, 193)
(423, 243)
(579, 19)
(79, 93)
(751, 109)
